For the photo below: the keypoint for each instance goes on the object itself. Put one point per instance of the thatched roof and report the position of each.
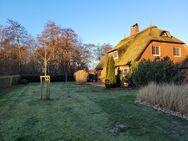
(141, 40)
(133, 46)
(100, 65)
(92, 71)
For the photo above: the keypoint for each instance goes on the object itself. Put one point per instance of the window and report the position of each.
(176, 52)
(155, 50)
(164, 34)
(124, 71)
(115, 55)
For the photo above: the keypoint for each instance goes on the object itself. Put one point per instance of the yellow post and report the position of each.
(45, 68)
(46, 81)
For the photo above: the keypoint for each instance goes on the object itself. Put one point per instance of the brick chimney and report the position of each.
(134, 29)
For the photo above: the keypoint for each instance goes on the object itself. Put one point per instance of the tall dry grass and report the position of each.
(168, 96)
(81, 76)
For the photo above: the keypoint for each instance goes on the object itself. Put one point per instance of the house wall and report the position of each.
(99, 74)
(166, 49)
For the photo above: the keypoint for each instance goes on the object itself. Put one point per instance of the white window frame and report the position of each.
(179, 51)
(115, 56)
(164, 34)
(124, 71)
(111, 54)
(155, 51)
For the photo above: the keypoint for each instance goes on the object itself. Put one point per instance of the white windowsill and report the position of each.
(155, 55)
(177, 56)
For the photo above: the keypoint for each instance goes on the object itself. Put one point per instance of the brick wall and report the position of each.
(166, 49)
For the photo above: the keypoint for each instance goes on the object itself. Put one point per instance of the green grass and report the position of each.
(82, 113)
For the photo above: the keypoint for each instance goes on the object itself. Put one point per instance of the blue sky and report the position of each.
(99, 21)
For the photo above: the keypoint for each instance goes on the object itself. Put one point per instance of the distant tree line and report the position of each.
(97, 52)
(21, 53)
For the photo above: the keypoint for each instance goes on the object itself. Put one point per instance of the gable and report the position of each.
(165, 49)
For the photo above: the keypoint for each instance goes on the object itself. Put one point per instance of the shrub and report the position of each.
(92, 77)
(110, 80)
(169, 96)
(163, 71)
(133, 68)
(107, 83)
(119, 78)
(81, 76)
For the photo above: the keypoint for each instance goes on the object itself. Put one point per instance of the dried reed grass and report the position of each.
(169, 96)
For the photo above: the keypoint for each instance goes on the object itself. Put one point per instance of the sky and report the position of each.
(99, 21)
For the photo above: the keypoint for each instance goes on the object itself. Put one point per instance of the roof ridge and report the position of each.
(139, 32)
(133, 36)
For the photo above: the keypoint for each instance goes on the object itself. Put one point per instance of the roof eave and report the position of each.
(181, 42)
(112, 50)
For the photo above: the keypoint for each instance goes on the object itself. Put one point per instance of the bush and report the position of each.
(110, 73)
(107, 84)
(163, 71)
(60, 78)
(119, 78)
(169, 96)
(31, 77)
(81, 76)
(92, 78)
(133, 68)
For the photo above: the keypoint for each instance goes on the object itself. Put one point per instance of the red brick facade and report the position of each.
(165, 49)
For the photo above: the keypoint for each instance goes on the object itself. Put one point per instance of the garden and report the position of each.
(82, 113)
(149, 102)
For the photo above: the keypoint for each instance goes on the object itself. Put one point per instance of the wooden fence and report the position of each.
(8, 81)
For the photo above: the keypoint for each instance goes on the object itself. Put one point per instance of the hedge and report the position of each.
(158, 71)
(53, 78)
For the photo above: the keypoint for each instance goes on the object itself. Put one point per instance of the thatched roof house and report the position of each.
(149, 43)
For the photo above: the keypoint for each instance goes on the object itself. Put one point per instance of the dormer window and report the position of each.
(115, 55)
(165, 34)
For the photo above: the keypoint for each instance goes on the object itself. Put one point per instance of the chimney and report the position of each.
(134, 29)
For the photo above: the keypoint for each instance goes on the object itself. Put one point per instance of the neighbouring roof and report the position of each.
(134, 45)
(92, 71)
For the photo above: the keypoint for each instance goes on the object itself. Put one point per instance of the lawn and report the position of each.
(82, 113)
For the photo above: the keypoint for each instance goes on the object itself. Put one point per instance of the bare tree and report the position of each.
(65, 47)
(58, 49)
(12, 41)
(48, 40)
